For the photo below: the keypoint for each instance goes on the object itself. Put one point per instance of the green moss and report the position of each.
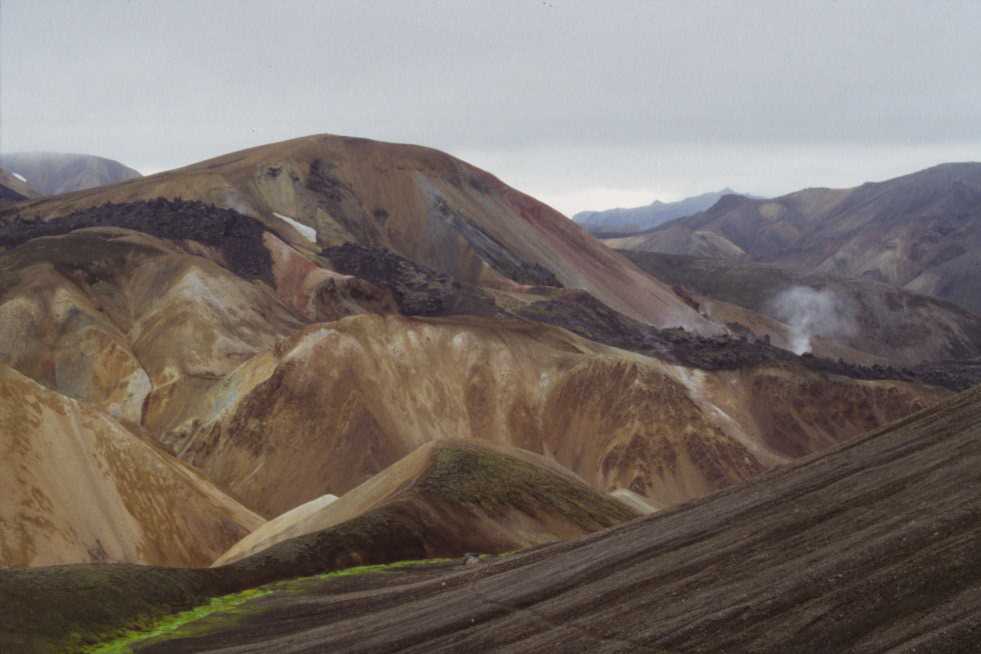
(170, 624)
(219, 610)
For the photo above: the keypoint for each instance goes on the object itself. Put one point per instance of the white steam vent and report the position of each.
(809, 313)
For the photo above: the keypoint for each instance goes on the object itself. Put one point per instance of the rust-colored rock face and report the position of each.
(315, 311)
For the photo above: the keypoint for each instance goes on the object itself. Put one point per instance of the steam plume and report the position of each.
(809, 313)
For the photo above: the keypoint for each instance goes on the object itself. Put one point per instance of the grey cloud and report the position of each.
(162, 84)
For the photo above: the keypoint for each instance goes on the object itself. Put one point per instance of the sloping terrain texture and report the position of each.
(872, 548)
(638, 219)
(134, 323)
(892, 324)
(53, 173)
(869, 548)
(457, 496)
(921, 232)
(77, 486)
(257, 354)
(14, 189)
(212, 331)
(339, 402)
(425, 205)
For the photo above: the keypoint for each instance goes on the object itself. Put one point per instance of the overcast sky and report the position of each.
(585, 105)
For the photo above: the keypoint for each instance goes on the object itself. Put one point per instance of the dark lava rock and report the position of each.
(236, 236)
(417, 290)
(582, 314)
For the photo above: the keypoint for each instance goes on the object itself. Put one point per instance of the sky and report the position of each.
(583, 104)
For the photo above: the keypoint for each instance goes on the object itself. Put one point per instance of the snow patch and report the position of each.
(20, 177)
(306, 232)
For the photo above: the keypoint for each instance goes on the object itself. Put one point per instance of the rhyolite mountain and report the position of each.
(638, 219)
(292, 321)
(52, 173)
(920, 232)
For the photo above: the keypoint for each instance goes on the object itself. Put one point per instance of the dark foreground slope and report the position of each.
(871, 548)
(443, 500)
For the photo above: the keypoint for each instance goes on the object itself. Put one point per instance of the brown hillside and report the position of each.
(870, 547)
(340, 402)
(457, 496)
(425, 205)
(79, 487)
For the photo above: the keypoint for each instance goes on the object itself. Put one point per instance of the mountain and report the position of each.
(14, 188)
(374, 298)
(455, 496)
(889, 323)
(868, 547)
(79, 486)
(655, 428)
(421, 204)
(53, 173)
(638, 219)
(920, 232)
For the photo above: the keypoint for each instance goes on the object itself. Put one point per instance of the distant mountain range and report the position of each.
(920, 232)
(638, 219)
(53, 173)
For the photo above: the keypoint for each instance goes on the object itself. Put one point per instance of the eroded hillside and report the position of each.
(78, 486)
(361, 300)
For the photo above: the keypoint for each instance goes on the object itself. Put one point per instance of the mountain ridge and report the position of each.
(627, 220)
(54, 173)
(920, 231)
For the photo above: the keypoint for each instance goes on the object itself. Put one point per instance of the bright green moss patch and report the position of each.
(172, 623)
(190, 622)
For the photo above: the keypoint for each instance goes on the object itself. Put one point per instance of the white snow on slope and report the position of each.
(19, 176)
(308, 233)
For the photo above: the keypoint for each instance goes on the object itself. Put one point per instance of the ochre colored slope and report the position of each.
(143, 320)
(79, 487)
(342, 401)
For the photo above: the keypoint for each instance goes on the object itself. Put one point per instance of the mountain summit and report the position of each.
(639, 219)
